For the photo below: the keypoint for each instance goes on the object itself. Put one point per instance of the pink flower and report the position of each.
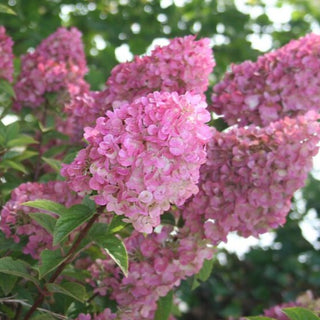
(57, 65)
(183, 65)
(6, 56)
(15, 222)
(250, 175)
(282, 83)
(151, 275)
(144, 156)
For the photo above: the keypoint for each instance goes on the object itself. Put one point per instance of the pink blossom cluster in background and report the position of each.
(250, 175)
(151, 276)
(144, 156)
(57, 65)
(281, 83)
(15, 222)
(6, 61)
(183, 65)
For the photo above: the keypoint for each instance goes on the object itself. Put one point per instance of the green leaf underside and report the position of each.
(47, 205)
(164, 307)
(44, 220)
(71, 289)
(50, 260)
(17, 268)
(71, 220)
(117, 251)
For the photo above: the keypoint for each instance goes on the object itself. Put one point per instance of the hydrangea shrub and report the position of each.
(111, 198)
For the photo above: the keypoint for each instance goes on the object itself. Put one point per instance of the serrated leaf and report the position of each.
(115, 248)
(6, 9)
(45, 220)
(71, 289)
(22, 140)
(7, 282)
(53, 163)
(298, 313)
(50, 260)
(17, 268)
(164, 307)
(71, 220)
(47, 205)
(206, 270)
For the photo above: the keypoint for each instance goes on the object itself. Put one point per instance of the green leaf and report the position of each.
(17, 268)
(68, 222)
(45, 220)
(71, 289)
(47, 205)
(206, 270)
(12, 130)
(168, 218)
(6, 9)
(53, 163)
(89, 203)
(298, 313)
(117, 251)
(10, 164)
(22, 140)
(25, 155)
(195, 283)
(7, 282)
(164, 307)
(50, 260)
(97, 234)
(116, 224)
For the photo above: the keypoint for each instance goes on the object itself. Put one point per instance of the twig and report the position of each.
(71, 253)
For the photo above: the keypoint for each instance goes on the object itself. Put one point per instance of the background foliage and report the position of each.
(264, 276)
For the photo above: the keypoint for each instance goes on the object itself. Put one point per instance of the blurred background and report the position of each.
(248, 275)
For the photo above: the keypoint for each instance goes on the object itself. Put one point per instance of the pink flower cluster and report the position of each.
(15, 222)
(57, 65)
(250, 176)
(282, 83)
(151, 276)
(183, 65)
(144, 156)
(6, 56)
(82, 111)
(105, 315)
